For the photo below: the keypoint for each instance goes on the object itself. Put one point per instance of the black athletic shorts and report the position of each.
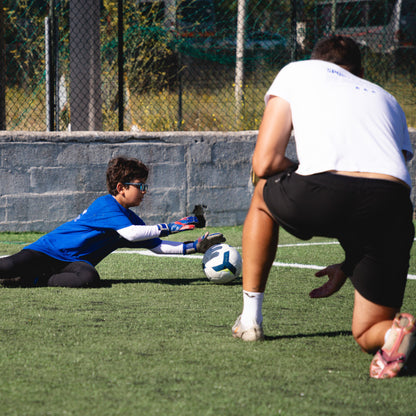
(371, 218)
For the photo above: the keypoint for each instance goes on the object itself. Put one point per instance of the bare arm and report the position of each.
(274, 134)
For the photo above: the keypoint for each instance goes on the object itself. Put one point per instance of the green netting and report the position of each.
(179, 58)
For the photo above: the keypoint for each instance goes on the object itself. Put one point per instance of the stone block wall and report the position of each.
(47, 178)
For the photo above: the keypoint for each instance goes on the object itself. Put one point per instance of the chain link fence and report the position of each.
(167, 65)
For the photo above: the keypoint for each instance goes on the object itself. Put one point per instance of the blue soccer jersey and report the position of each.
(92, 235)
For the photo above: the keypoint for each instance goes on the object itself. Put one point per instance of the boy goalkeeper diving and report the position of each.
(67, 256)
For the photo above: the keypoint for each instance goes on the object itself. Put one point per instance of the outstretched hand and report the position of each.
(184, 224)
(208, 240)
(203, 243)
(336, 279)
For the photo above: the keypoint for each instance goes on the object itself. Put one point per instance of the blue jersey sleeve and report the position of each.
(92, 235)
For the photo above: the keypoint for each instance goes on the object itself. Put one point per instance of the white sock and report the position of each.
(386, 335)
(252, 308)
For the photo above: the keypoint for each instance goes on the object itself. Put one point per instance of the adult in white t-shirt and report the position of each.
(342, 122)
(351, 183)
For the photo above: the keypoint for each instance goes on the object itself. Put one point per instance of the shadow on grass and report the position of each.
(314, 335)
(409, 369)
(107, 283)
(177, 282)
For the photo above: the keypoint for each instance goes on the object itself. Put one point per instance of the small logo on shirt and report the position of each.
(334, 71)
(79, 216)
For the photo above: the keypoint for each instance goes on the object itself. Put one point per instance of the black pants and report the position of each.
(371, 218)
(35, 268)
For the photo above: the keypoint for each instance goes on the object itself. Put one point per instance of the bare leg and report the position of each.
(260, 238)
(370, 323)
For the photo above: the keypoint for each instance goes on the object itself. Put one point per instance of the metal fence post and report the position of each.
(239, 61)
(85, 65)
(52, 68)
(48, 74)
(293, 30)
(2, 72)
(120, 66)
(55, 56)
(180, 93)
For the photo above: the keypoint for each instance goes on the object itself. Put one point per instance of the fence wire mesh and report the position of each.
(181, 64)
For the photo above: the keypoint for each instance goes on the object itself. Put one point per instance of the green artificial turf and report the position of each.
(157, 341)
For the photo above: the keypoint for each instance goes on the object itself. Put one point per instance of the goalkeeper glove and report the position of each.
(203, 243)
(186, 223)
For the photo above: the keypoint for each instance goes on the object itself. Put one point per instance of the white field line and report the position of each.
(276, 263)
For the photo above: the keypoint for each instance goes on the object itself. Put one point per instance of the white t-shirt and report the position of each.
(343, 122)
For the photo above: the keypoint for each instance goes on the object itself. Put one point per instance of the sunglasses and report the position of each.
(140, 186)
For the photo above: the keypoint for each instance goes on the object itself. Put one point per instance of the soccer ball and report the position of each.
(222, 263)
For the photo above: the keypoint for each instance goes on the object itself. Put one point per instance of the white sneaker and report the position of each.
(254, 333)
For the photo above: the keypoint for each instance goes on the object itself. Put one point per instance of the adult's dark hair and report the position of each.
(122, 169)
(340, 50)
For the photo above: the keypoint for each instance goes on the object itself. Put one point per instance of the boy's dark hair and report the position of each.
(340, 50)
(122, 169)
